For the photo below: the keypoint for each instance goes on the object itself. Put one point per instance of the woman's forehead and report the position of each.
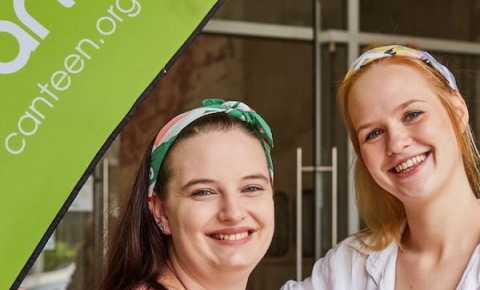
(384, 87)
(389, 79)
(208, 151)
(385, 70)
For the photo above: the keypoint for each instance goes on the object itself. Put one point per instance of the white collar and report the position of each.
(379, 264)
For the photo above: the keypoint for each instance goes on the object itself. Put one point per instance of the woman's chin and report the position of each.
(411, 191)
(236, 262)
(413, 196)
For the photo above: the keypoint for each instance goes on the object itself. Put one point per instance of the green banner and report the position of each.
(70, 71)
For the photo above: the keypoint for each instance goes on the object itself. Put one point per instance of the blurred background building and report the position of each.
(285, 58)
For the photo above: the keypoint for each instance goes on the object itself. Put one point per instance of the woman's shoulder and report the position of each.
(349, 253)
(352, 247)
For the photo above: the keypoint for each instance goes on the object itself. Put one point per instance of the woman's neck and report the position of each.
(444, 223)
(190, 278)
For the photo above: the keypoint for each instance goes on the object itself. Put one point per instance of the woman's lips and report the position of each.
(410, 165)
(232, 236)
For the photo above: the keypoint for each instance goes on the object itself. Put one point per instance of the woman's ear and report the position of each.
(461, 110)
(157, 208)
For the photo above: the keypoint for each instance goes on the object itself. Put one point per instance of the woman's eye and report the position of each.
(203, 193)
(374, 134)
(252, 189)
(412, 115)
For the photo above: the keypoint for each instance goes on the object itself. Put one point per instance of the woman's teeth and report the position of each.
(407, 164)
(232, 237)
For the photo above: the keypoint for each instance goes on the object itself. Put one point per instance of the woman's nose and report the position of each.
(398, 140)
(231, 209)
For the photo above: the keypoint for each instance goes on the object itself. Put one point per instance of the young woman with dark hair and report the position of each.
(200, 215)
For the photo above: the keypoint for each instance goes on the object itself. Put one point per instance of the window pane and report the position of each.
(334, 14)
(422, 18)
(69, 261)
(298, 12)
(466, 69)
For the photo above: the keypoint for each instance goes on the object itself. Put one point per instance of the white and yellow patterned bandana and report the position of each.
(393, 50)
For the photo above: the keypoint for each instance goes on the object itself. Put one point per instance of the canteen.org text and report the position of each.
(59, 81)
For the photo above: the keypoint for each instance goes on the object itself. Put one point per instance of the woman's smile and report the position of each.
(233, 236)
(409, 166)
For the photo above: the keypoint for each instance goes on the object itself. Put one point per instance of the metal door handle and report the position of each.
(299, 239)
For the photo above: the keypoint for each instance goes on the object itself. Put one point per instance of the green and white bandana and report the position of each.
(238, 110)
(392, 50)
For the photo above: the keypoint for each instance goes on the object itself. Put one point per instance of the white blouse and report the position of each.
(350, 266)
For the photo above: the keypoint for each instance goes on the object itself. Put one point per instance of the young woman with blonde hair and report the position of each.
(416, 178)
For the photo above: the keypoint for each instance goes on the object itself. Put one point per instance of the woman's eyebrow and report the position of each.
(197, 181)
(364, 126)
(256, 176)
(400, 107)
(408, 103)
(211, 181)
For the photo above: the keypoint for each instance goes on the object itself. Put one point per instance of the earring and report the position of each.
(162, 227)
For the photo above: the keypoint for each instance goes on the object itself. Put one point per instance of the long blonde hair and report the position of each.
(384, 214)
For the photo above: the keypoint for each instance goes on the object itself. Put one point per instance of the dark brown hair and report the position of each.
(139, 250)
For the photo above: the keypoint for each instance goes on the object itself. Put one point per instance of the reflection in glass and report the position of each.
(466, 69)
(288, 12)
(67, 260)
(422, 18)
